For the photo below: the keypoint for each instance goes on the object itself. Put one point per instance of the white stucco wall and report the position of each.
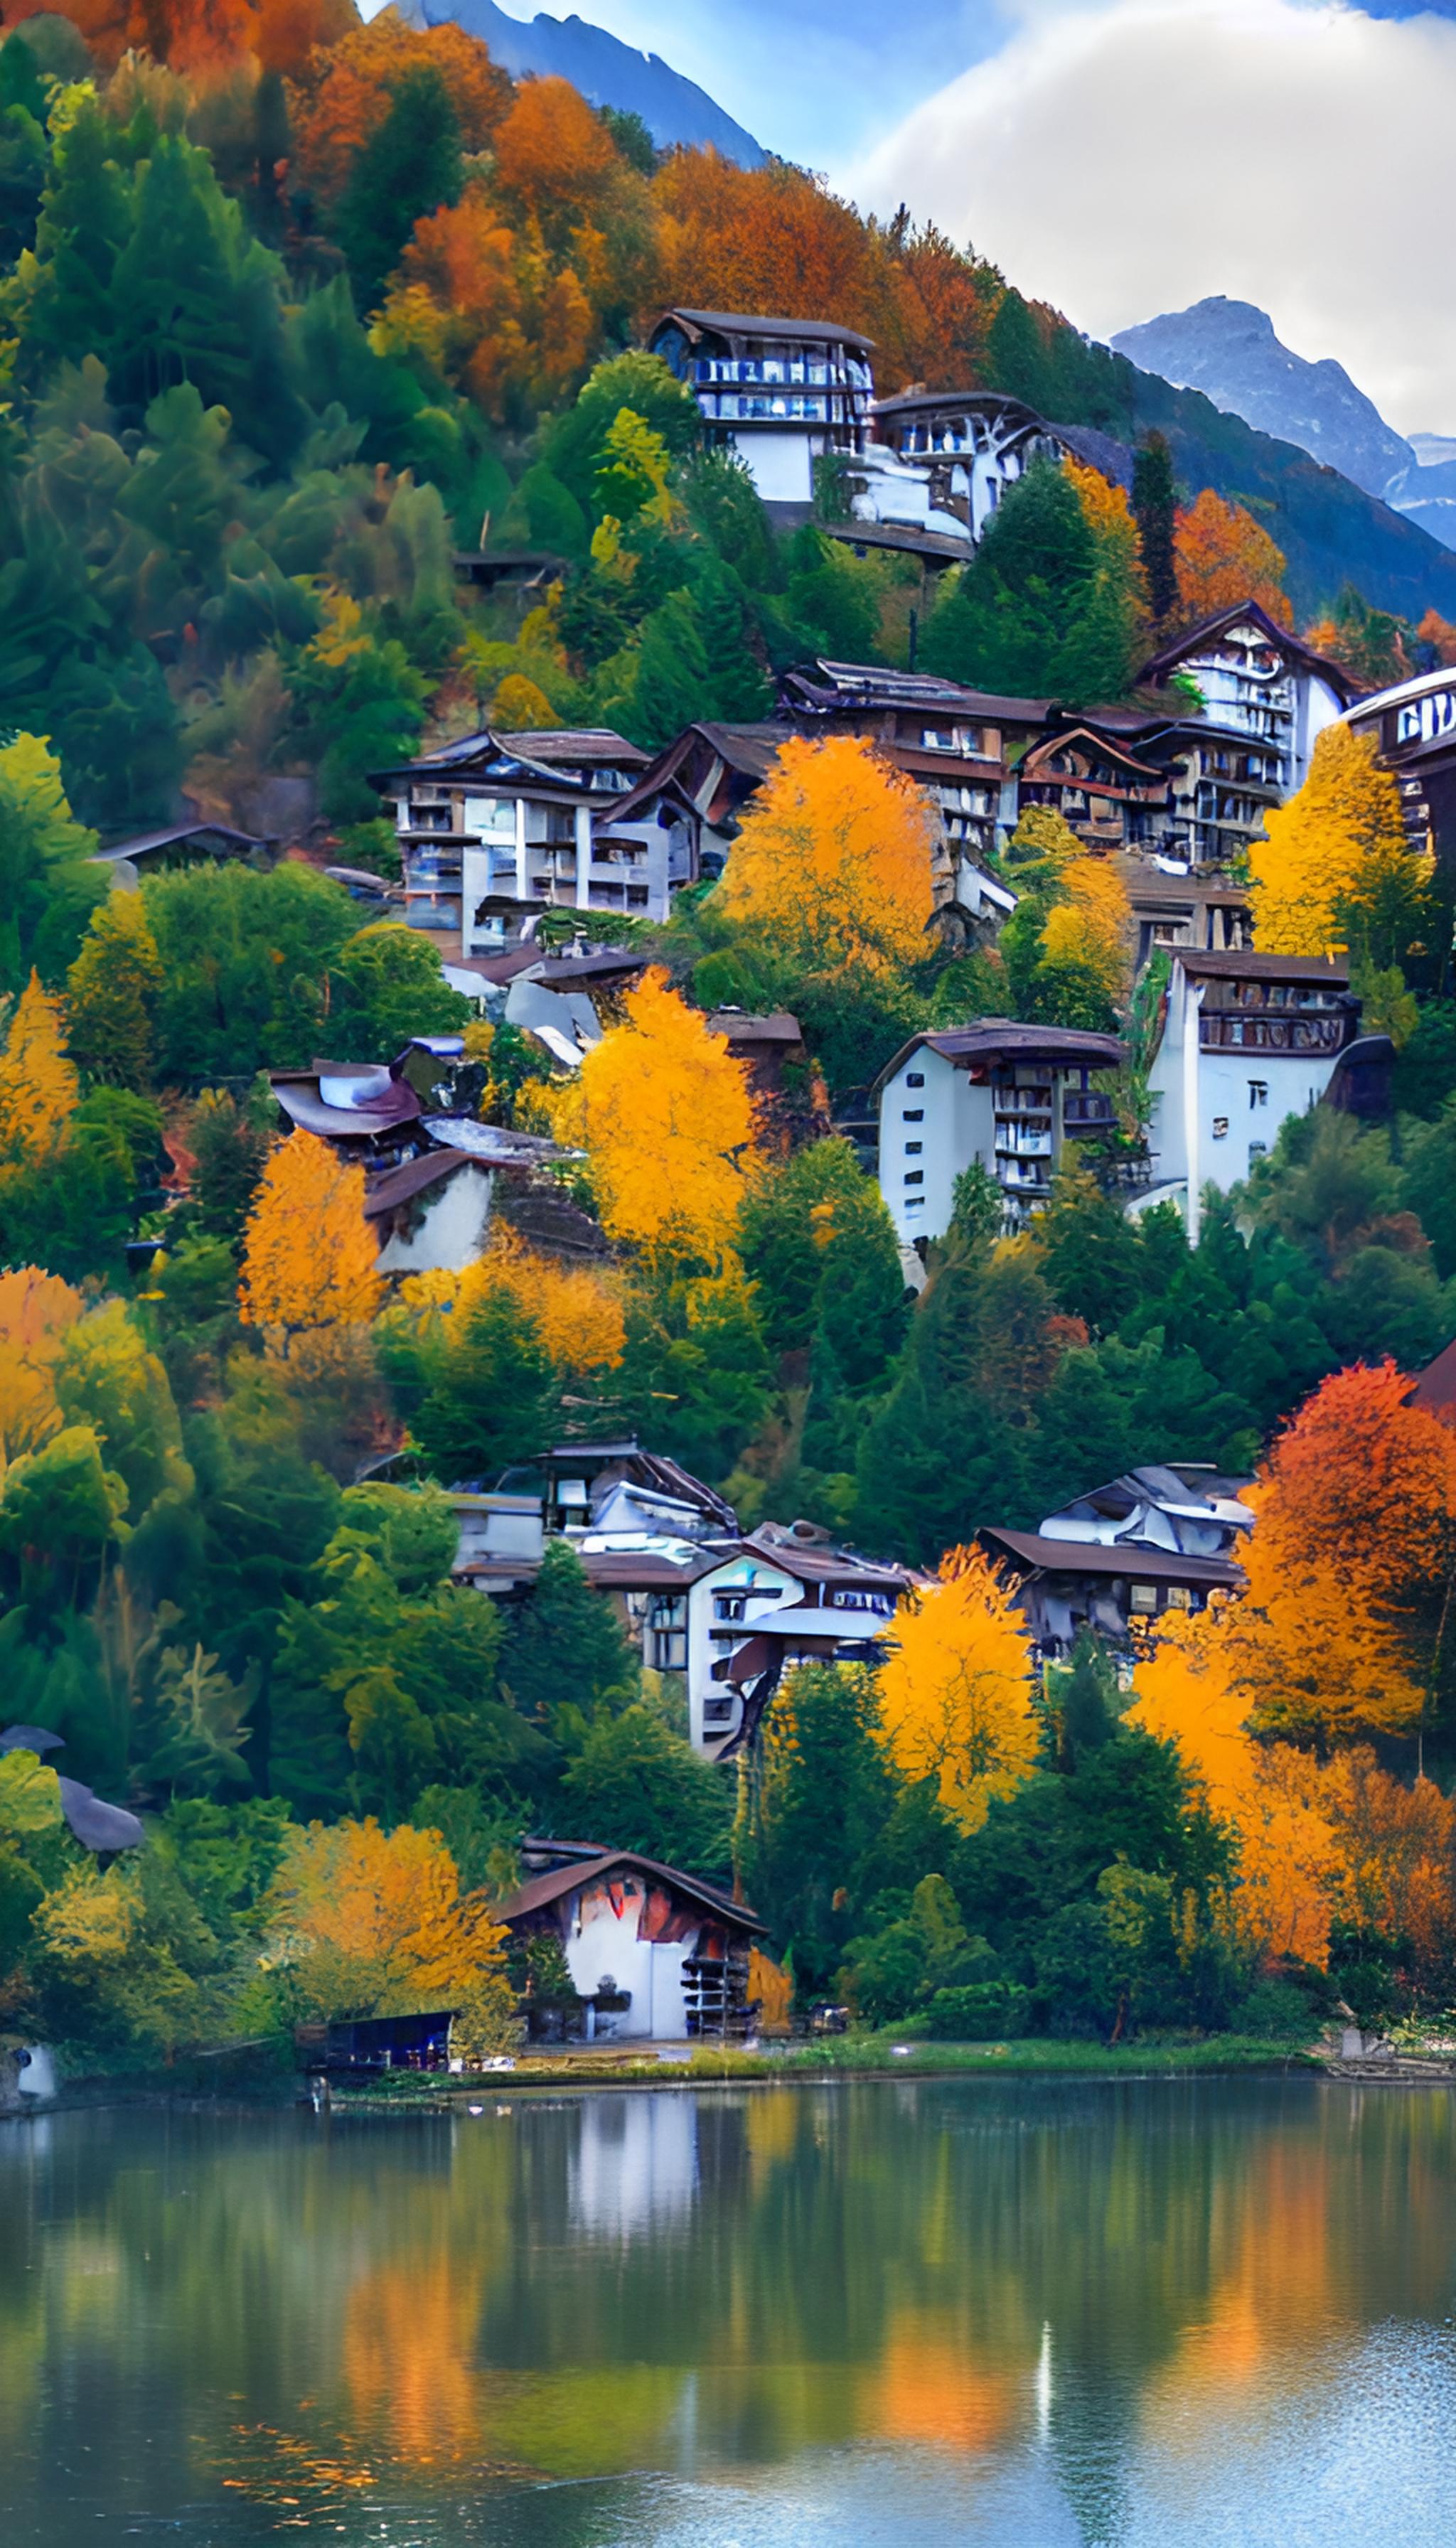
(765, 1589)
(781, 463)
(452, 1229)
(955, 1127)
(1223, 1093)
(599, 1943)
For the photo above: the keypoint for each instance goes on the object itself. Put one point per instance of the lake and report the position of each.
(1044, 2312)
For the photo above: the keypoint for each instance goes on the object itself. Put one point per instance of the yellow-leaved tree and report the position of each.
(666, 1117)
(955, 1696)
(367, 1921)
(37, 1313)
(309, 1257)
(38, 1081)
(833, 858)
(1335, 867)
(576, 1311)
(111, 993)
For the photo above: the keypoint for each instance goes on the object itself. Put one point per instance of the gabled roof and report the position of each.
(401, 1185)
(1093, 741)
(540, 1891)
(566, 743)
(1031, 1552)
(488, 755)
(1009, 1040)
(1171, 658)
(913, 403)
(742, 323)
(174, 835)
(1241, 965)
(827, 685)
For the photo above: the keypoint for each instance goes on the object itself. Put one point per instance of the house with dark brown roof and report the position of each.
(1245, 1041)
(779, 393)
(654, 1953)
(1266, 698)
(1064, 1587)
(997, 1092)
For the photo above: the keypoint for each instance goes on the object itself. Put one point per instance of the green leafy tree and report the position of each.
(564, 1654)
(1155, 510)
(48, 886)
(491, 1398)
(637, 1783)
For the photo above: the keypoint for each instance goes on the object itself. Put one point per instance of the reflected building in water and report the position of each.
(635, 2164)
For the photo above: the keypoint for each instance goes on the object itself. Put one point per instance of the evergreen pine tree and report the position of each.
(409, 166)
(672, 680)
(1016, 357)
(736, 686)
(1155, 507)
(563, 1649)
(1085, 1699)
(491, 1402)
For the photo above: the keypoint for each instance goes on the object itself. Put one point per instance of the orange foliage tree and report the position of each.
(666, 1117)
(1223, 556)
(367, 1921)
(310, 1257)
(346, 90)
(576, 1312)
(956, 1693)
(833, 858)
(487, 305)
(1334, 867)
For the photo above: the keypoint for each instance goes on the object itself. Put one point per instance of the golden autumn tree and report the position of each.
(485, 303)
(664, 1115)
(575, 1309)
(1189, 1694)
(111, 993)
(1335, 867)
(833, 858)
(39, 1086)
(365, 1921)
(956, 1693)
(36, 1314)
(1223, 557)
(310, 1259)
(765, 239)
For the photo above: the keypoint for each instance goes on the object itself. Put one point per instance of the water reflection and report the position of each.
(1111, 2313)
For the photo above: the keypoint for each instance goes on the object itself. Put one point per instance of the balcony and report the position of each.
(1217, 1032)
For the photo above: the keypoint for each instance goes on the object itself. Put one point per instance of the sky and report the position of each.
(1122, 158)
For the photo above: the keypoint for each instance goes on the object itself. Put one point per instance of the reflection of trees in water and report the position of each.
(634, 2282)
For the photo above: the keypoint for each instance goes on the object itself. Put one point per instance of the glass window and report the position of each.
(915, 1079)
(1221, 1127)
(915, 1176)
(914, 1149)
(1258, 1092)
(1143, 1599)
(913, 1115)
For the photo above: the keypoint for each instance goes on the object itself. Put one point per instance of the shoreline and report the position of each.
(845, 2062)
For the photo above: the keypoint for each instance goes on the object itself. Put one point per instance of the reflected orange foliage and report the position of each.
(409, 2339)
(927, 2388)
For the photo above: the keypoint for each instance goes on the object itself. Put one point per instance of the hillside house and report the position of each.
(1177, 905)
(1414, 725)
(777, 393)
(998, 1092)
(1100, 787)
(1266, 699)
(1245, 1041)
(656, 1954)
(964, 447)
(1187, 1506)
(492, 833)
(1064, 1585)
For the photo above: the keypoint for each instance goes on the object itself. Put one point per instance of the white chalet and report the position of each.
(944, 458)
(997, 1092)
(1247, 1041)
(779, 393)
(1267, 698)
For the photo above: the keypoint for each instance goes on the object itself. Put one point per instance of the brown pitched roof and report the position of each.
(415, 1176)
(540, 1891)
(990, 1039)
(1030, 1551)
(743, 323)
(1241, 965)
(1169, 659)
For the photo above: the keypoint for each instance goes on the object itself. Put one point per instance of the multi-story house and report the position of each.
(1414, 725)
(779, 393)
(963, 448)
(1006, 1095)
(1159, 1538)
(1101, 791)
(1266, 699)
(495, 828)
(1246, 1040)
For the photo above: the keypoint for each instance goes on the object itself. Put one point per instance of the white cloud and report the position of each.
(1130, 159)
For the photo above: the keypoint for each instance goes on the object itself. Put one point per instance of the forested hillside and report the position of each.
(295, 313)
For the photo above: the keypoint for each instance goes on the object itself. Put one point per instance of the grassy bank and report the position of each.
(845, 2057)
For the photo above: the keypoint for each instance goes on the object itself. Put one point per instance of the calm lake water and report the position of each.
(1192, 2312)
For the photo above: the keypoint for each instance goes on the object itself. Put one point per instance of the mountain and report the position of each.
(1230, 351)
(606, 72)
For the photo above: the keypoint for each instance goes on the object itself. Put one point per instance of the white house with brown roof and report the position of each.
(778, 393)
(1267, 698)
(655, 1952)
(1246, 1042)
(997, 1092)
